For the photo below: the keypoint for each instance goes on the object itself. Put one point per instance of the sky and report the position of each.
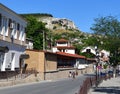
(81, 12)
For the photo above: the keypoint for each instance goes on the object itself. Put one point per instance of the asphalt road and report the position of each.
(61, 86)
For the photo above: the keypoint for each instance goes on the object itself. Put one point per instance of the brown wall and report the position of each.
(36, 60)
(41, 61)
(51, 62)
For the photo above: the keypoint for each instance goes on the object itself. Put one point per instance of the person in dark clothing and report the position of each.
(73, 75)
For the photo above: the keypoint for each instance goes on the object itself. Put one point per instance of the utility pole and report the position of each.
(43, 40)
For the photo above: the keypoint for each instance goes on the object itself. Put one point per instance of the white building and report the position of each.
(29, 43)
(103, 54)
(12, 39)
(63, 45)
(89, 49)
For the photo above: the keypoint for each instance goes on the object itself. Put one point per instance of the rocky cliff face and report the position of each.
(57, 25)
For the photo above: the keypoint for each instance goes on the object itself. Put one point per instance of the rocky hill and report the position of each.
(55, 24)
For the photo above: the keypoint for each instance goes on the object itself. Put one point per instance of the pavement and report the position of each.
(109, 86)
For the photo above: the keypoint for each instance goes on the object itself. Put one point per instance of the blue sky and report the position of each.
(81, 12)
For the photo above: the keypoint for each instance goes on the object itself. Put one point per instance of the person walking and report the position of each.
(70, 74)
(73, 75)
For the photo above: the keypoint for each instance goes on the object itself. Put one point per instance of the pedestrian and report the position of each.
(70, 74)
(73, 75)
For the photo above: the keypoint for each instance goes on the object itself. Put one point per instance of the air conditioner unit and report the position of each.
(11, 25)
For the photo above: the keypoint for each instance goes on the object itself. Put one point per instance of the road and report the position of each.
(61, 86)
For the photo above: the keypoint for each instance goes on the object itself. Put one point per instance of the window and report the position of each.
(9, 23)
(18, 26)
(88, 50)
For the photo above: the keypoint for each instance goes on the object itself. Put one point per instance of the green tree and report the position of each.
(108, 28)
(35, 31)
(91, 40)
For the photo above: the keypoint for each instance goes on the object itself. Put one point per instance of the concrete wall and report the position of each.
(54, 75)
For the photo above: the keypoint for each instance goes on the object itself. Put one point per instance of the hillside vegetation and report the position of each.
(37, 15)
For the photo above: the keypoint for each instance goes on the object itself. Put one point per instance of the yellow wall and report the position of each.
(36, 60)
(41, 61)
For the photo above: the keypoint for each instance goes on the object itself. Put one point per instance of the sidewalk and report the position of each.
(109, 86)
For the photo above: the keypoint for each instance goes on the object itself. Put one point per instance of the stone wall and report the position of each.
(64, 73)
(51, 75)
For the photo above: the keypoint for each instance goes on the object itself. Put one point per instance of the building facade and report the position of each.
(63, 45)
(12, 39)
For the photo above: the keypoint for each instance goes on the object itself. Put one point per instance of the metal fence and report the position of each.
(14, 75)
(92, 81)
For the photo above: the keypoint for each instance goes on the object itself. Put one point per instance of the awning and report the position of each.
(4, 49)
(24, 56)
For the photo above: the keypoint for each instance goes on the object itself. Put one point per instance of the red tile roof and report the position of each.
(62, 40)
(70, 55)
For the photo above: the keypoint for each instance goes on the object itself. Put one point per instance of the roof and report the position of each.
(62, 54)
(62, 40)
(11, 11)
(70, 55)
(65, 47)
